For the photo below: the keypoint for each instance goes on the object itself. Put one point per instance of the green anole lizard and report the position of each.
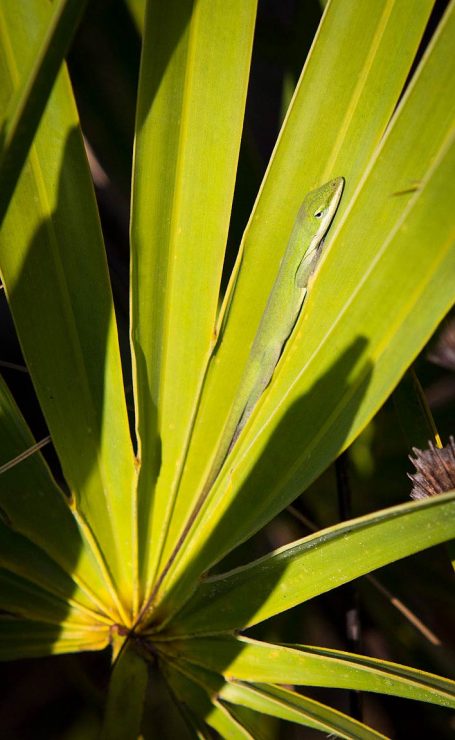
(283, 308)
(278, 320)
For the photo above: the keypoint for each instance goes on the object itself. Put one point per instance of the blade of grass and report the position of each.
(22, 638)
(208, 710)
(194, 76)
(320, 399)
(32, 505)
(311, 566)
(241, 659)
(22, 558)
(21, 598)
(27, 105)
(293, 707)
(324, 135)
(125, 701)
(275, 702)
(66, 325)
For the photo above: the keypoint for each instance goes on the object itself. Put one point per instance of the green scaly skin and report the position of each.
(283, 308)
(278, 320)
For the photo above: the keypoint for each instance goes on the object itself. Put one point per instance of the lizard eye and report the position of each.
(319, 214)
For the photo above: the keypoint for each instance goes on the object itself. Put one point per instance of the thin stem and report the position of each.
(23, 456)
(407, 613)
(353, 626)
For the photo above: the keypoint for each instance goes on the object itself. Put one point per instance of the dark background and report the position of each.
(63, 697)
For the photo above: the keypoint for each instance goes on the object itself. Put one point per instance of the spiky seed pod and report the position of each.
(435, 470)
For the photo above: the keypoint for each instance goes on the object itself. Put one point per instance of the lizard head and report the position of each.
(320, 205)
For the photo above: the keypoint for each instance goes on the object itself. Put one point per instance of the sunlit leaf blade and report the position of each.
(137, 11)
(315, 564)
(20, 597)
(23, 638)
(122, 719)
(66, 324)
(26, 107)
(355, 316)
(335, 122)
(379, 294)
(194, 77)
(271, 700)
(197, 700)
(20, 557)
(257, 725)
(33, 506)
(239, 658)
(293, 707)
(226, 724)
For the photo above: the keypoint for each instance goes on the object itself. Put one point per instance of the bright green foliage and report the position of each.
(194, 78)
(126, 696)
(62, 307)
(26, 106)
(284, 306)
(116, 557)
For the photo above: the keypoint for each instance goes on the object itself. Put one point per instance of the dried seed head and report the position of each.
(435, 470)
